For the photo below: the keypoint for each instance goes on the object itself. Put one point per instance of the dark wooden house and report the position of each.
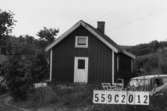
(86, 54)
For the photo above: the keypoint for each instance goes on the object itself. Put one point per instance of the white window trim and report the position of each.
(81, 46)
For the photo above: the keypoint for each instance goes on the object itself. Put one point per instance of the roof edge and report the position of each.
(129, 54)
(61, 37)
(81, 22)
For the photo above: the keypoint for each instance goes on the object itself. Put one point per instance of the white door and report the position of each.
(81, 69)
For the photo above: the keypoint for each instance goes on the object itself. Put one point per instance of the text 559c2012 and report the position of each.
(120, 97)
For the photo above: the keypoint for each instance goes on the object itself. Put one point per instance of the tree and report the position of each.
(18, 76)
(48, 34)
(6, 23)
(22, 71)
(41, 70)
(155, 45)
(26, 65)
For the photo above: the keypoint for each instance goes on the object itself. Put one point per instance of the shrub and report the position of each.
(22, 71)
(18, 76)
(39, 68)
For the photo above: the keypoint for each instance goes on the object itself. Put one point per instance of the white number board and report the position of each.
(120, 97)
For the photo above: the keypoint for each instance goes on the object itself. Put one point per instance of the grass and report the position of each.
(79, 98)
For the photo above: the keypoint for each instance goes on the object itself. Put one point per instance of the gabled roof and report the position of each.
(102, 37)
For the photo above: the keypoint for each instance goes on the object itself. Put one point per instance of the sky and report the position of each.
(127, 22)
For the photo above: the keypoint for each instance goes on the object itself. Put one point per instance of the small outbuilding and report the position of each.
(84, 54)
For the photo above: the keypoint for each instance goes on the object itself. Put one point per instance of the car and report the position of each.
(147, 82)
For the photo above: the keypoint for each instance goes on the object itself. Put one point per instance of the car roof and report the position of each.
(149, 76)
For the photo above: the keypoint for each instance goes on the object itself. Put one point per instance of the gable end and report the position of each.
(64, 35)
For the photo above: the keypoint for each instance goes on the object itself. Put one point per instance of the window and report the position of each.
(81, 42)
(81, 64)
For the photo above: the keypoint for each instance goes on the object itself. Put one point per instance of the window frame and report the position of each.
(82, 67)
(81, 46)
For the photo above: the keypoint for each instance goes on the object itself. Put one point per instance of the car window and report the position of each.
(158, 82)
(164, 80)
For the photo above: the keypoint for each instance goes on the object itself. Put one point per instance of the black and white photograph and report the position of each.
(83, 55)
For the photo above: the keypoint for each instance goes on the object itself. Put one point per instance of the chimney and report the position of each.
(101, 26)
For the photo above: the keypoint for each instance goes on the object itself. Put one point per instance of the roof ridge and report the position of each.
(101, 36)
(106, 37)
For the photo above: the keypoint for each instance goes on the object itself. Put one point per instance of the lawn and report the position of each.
(79, 98)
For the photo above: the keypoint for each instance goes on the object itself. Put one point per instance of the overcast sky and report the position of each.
(128, 22)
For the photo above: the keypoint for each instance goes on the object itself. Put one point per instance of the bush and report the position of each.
(3, 89)
(22, 71)
(39, 68)
(18, 76)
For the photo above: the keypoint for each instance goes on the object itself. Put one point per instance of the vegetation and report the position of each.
(79, 98)
(48, 34)
(147, 48)
(26, 64)
(6, 23)
(151, 57)
(20, 74)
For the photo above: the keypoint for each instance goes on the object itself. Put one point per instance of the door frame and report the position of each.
(76, 58)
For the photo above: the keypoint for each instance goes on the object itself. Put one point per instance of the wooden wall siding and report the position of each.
(125, 64)
(124, 68)
(100, 58)
(115, 68)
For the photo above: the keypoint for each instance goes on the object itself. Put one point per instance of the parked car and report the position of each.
(147, 82)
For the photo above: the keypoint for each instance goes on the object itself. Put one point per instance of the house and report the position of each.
(84, 54)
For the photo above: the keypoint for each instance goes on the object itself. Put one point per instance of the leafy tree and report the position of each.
(48, 34)
(22, 45)
(155, 45)
(6, 23)
(39, 68)
(26, 65)
(18, 76)
(22, 71)
(26, 62)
